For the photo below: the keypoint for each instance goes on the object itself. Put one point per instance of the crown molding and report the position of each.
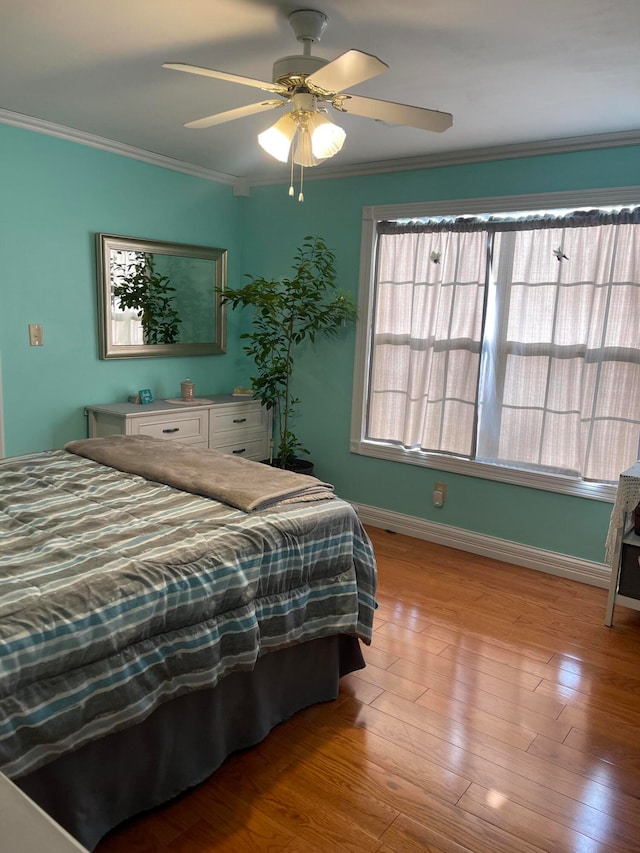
(468, 155)
(71, 135)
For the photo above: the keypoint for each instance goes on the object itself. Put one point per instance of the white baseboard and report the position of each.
(551, 562)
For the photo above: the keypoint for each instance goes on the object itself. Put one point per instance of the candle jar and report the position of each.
(187, 389)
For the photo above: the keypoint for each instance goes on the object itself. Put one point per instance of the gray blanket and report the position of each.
(244, 484)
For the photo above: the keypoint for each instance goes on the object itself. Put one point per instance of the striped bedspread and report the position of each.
(118, 594)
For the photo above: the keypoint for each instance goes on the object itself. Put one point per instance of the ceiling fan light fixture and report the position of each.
(327, 138)
(277, 139)
(304, 155)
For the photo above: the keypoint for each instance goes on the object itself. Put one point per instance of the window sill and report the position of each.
(547, 482)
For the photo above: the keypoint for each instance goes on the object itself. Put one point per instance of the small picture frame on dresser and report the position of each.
(145, 395)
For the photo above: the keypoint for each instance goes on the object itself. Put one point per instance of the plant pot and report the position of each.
(298, 466)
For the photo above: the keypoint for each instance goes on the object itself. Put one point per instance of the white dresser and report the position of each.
(226, 423)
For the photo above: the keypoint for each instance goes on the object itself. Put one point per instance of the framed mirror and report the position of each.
(159, 299)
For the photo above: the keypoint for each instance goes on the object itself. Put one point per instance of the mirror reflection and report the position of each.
(159, 299)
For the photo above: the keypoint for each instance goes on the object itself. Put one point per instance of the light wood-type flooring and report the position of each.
(497, 714)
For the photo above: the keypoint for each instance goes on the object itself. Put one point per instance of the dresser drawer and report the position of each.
(253, 445)
(242, 429)
(190, 427)
(242, 416)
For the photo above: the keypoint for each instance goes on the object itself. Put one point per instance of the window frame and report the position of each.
(625, 196)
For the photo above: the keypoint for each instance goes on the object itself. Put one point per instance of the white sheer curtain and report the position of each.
(513, 341)
(426, 339)
(561, 389)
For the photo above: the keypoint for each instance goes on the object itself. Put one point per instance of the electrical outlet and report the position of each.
(442, 488)
(35, 335)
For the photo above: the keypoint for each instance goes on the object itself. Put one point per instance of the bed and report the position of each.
(147, 631)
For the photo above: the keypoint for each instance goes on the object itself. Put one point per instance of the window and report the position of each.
(502, 344)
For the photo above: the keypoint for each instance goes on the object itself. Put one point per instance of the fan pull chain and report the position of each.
(291, 189)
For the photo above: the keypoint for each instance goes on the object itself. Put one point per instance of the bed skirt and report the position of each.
(93, 789)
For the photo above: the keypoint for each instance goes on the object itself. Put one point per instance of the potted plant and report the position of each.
(288, 312)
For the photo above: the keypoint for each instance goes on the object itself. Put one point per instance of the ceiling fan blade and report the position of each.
(239, 112)
(223, 75)
(394, 113)
(347, 70)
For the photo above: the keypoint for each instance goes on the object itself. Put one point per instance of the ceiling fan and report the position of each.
(310, 83)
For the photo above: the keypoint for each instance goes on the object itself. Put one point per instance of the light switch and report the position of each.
(35, 334)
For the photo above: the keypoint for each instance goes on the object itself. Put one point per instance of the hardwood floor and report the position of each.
(496, 714)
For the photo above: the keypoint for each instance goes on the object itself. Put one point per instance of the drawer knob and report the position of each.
(239, 420)
(173, 429)
(242, 450)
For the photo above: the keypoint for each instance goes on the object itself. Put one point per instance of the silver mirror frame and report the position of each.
(108, 349)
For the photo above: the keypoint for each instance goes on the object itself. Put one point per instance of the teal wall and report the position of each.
(55, 195)
(333, 209)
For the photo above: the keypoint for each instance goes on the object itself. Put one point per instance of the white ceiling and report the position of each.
(510, 71)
